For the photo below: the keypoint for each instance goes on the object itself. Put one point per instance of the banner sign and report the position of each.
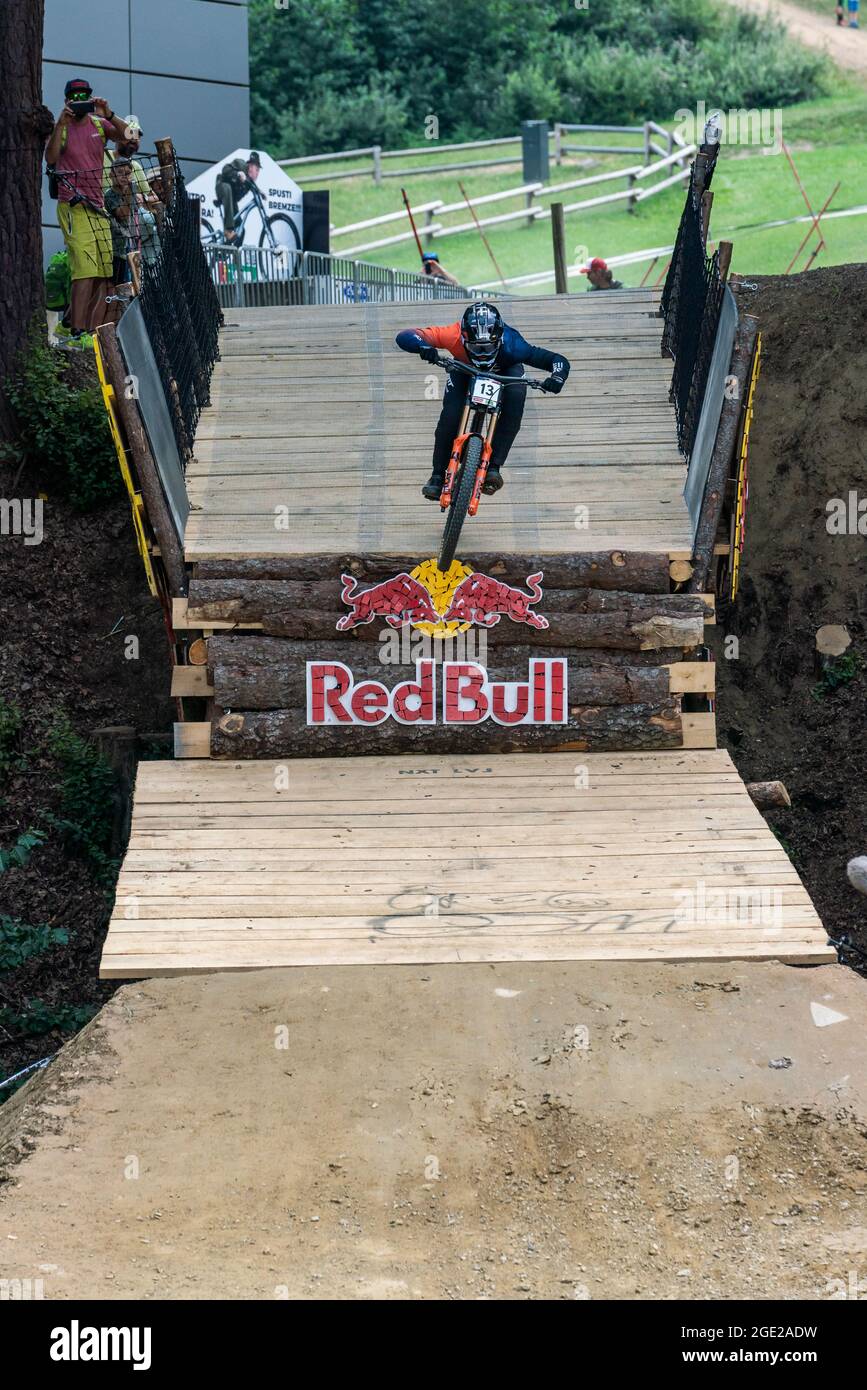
(334, 698)
(269, 206)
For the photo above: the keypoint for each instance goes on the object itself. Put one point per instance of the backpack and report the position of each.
(58, 282)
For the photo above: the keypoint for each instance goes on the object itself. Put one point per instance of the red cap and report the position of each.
(598, 264)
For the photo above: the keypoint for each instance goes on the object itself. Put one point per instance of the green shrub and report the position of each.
(63, 427)
(19, 941)
(39, 1018)
(17, 856)
(837, 673)
(87, 792)
(382, 68)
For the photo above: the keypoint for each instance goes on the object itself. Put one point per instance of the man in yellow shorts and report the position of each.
(75, 151)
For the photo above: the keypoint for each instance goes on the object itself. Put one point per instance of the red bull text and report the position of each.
(468, 696)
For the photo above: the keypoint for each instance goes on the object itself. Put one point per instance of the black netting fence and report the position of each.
(180, 309)
(691, 304)
(133, 225)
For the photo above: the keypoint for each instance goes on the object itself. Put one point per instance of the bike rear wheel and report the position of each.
(460, 502)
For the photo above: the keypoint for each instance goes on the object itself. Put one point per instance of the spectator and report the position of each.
(839, 13)
(127, 148)
(430, 265)
(853, 14)
(120, 204)
(600, 276)
(75, 150)
(234, 180)
(133, 225)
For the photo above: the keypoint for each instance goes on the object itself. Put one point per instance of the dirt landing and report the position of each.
(457, 1132)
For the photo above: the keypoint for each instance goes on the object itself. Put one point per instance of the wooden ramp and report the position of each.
(409, 860)
(320, 431)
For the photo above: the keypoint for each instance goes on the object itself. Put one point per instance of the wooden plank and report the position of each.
(692, 677)
(699, 730)
(635, 882)
(271, 431)
(192, 740)
(191, 681)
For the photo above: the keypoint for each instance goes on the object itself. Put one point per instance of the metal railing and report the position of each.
(253, 277)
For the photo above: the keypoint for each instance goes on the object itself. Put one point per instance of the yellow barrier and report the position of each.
(743, 481)
(136, 501)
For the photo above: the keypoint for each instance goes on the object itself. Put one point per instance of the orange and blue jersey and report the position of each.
(514, 349)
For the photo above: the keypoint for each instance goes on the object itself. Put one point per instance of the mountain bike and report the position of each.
(471, 450)
(278, 230)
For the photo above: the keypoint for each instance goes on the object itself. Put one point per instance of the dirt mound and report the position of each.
(473, 1131)
(68, 606)
(808, 445)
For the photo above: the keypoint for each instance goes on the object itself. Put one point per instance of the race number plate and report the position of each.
(486, 391)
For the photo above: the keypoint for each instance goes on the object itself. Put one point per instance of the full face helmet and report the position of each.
(482, 333)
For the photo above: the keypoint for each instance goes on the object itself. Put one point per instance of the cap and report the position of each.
(253, 158)
(132, 125)
(430, 256)
(77, 84)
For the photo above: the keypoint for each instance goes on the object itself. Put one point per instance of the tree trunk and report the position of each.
(636, 571)
(285, 733)
(26, 126)
(242, 687)
(637, 630)
(769, 796)
(246, 600)
(231, 649)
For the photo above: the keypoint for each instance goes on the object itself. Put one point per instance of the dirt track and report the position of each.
(847, 47)
(444, 1133)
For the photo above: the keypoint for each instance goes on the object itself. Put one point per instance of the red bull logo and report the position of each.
(468, 696)
(441, 604)
(483, 600)
(400, 600)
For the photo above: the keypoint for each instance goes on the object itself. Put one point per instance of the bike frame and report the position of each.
(477, 420)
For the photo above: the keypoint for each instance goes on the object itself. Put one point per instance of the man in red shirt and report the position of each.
(76, 150)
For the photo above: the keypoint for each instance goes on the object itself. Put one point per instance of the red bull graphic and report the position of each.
(483, 600)
(400, 600)
(441, 605)
(468, 695)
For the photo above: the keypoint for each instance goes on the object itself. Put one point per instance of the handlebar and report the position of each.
(449, 364)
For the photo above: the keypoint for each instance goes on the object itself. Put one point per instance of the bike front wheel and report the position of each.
(460, 502)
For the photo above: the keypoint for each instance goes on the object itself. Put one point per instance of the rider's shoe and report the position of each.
(433, 487)
(493, 481)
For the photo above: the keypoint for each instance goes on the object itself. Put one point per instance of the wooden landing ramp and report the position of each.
(408, 860)
(320, 431)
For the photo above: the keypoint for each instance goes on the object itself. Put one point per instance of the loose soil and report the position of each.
(66, 609)
(808, 444)
(565, 1131)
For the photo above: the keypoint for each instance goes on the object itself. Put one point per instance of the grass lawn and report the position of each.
(826, 138)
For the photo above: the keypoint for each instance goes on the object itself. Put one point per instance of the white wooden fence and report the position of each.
(637, 190)
(560, 139)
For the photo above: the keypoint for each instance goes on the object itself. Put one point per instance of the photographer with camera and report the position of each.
(75, 152)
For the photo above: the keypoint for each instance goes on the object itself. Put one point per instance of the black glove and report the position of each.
(429, 354)
(554, 384)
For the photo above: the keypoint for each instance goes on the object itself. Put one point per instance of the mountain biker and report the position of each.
(234, 180)
(482, 339)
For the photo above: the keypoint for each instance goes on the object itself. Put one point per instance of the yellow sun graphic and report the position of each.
(441, 587)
